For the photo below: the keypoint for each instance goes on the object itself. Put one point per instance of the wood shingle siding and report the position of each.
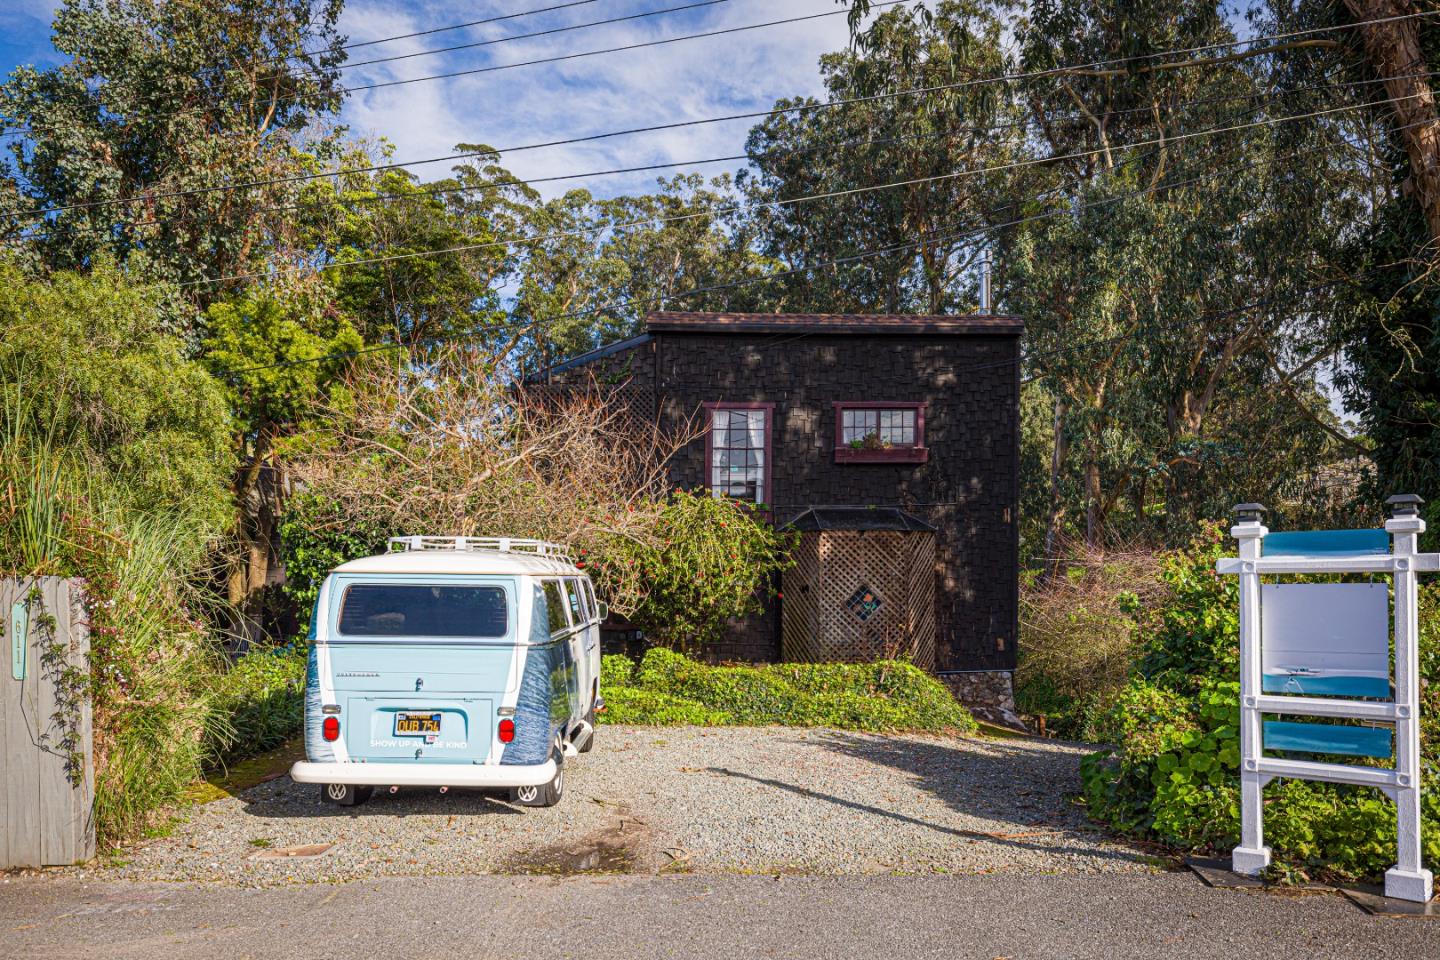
(966, 371)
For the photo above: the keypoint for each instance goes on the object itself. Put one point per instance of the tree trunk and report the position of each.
(1393, 49)
(255, 523)
(1056, 513)
(1094, 511)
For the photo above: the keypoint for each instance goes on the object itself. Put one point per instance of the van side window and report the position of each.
(555, 607)
(588, 593)
(572, 595)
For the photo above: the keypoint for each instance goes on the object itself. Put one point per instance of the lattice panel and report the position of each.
(827, 616)
(634, 408)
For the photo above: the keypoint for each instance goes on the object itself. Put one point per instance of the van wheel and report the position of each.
(543, 796)
(345, 794)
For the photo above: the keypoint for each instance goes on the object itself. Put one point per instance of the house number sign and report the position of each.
(19, 637)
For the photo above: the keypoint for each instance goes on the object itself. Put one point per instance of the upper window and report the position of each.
(880, 432)
(555, 605)
(587, 592)
(572, 596)
(739, 451)
(422, 610)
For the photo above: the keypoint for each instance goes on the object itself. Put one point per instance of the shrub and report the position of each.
(115, 462)
(1077, 638)
(316, 536)
(1173, 775)
(667, 688)
(87, 362)
(262, 698)
(710, 561)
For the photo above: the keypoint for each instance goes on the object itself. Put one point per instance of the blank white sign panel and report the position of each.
(1331, 628)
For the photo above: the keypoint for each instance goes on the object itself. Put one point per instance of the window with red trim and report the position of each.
(738, 451)
(880, 432)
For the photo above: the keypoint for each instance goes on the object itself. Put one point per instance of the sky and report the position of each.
(690, 79)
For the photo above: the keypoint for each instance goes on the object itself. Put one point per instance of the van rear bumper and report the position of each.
(425, 774)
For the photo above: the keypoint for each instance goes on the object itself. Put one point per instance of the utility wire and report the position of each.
(725, 31)
(752, 158)
(529, 36)
(676, 125)
(1056, 70)
(790, 201)
(745, 281)
(290, 97)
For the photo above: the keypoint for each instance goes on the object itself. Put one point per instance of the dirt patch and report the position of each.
(609, 851)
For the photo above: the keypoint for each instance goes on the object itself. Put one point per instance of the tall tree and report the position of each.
(941, 142)
(158, 106)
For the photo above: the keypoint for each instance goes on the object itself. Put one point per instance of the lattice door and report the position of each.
(858, 596)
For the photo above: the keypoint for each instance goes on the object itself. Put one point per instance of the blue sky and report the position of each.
(687, 80)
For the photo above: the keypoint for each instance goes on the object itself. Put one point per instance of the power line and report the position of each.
(725, 31)
(745, 281)
(832, 194)
(532, 35)
(589, 138)
(304, 54)
(500, 184)
(287, 98)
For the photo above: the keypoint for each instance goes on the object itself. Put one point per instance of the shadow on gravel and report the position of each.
(285, 799)
(1013, 783)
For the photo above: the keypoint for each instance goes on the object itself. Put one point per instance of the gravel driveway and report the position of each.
(661, 800)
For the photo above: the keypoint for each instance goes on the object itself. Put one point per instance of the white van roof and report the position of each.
(441, 555)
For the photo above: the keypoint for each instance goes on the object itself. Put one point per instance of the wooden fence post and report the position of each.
(46, 780)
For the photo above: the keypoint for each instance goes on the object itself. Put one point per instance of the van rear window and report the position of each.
(422, 610)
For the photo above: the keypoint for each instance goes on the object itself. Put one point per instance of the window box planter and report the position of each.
(891, 455)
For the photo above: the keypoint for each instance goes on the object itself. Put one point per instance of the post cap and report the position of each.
(1248, 512)
(1405, 504)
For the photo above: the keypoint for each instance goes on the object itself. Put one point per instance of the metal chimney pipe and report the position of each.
(985, 283)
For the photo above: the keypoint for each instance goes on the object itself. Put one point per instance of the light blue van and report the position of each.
(452, 662)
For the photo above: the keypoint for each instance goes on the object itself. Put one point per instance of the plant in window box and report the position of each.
(871, 441)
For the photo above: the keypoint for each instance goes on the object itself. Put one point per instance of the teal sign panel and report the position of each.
(19, 638)
(1328, 738)
(1326, 543)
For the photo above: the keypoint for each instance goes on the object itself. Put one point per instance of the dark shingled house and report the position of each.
(891, 440)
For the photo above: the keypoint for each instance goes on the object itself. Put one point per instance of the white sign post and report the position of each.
(1323, 651)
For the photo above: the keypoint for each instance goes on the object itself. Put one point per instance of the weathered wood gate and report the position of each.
(46, 777)
(862, 588)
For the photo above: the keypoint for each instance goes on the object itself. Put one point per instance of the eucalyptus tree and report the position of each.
(130, 144)
(902, 248)
(1233, 210)
(413, 263)
(1162, 239)
(1386, 313)
(597, 266)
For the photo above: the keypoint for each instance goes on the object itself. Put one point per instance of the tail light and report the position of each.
(507, 730)
(330, 728)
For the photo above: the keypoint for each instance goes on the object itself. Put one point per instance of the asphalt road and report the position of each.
(732, 917)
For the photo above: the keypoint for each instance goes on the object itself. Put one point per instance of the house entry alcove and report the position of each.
(862, 587)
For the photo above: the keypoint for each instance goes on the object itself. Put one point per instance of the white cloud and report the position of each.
(691, 79)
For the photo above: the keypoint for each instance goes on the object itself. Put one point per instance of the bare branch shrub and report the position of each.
(453, 447)
(1077, 634)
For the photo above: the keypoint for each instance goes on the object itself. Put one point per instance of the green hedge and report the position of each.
(1173, 773)
(666, 689)
(261, 700)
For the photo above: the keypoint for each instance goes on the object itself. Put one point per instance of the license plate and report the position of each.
(417, 724)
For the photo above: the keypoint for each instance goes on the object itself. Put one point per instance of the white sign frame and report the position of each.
(1407, 879)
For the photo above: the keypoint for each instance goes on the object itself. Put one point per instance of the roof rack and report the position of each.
(537, 548)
